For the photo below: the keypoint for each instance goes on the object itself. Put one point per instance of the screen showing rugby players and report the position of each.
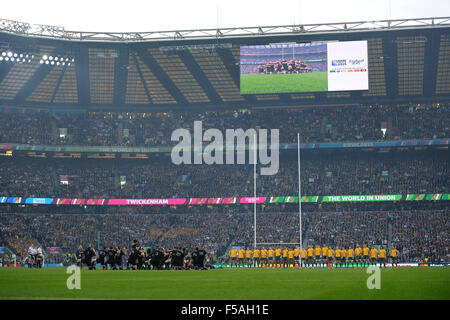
(304, 67)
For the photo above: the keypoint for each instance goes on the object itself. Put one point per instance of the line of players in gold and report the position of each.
(311, 257)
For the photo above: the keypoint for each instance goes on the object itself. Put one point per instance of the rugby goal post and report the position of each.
(300, 243)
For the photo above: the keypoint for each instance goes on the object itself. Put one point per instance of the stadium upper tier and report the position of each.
(315, 125)
(408, 61)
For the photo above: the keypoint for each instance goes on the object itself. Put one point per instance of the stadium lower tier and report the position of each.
(416, 234)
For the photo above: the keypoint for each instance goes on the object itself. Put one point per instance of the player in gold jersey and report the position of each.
(343, 257)
(278, 256)
(394, 256)
(366, 252)
(350, 256)
(310, 259)
(358, 254)
(296, 254)
(317, 252)
(382, 257)
(256, 254)
(330, 253)
(337, 254)
(241, 253)
(233, 257)
(373, 256)
(285, 257)
(271, 255)
(324, 255)
(264, 259)
(304, 255)
(291, 254)
(248, 257)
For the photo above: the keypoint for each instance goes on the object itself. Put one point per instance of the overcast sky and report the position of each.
(149, 15)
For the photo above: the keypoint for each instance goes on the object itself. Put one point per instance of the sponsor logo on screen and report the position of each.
(339, 63)
(356, 62)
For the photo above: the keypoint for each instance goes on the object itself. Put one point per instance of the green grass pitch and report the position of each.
(283, 83)
(220, 284)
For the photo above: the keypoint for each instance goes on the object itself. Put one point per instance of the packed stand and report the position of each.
(336, 124)
(332, 173)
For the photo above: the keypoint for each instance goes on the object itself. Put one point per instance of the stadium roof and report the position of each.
(409, 61)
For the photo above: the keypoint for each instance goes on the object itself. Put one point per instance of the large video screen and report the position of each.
(304, 67)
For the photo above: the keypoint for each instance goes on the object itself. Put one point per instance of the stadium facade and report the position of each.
(99, 89)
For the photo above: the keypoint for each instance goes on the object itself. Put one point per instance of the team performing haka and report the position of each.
(116, 258)
(311, 257)
(284, 66)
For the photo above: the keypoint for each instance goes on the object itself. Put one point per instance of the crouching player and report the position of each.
(80, 256)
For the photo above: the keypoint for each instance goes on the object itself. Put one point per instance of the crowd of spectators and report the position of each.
(416, 234)
(346, 229)
(348, 123)
(325, 173)
(421, 234)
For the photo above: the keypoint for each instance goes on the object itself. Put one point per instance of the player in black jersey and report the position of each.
(166, 259)
(195, 257)
(201, 258)
(102, 257)
(141, 259)
(134, 245)
(110, 261)
(156, 259)
(89, 256)
(132, 259)
(118, 258)
(177, 258)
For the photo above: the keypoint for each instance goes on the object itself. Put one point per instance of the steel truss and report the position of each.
(55, 32)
